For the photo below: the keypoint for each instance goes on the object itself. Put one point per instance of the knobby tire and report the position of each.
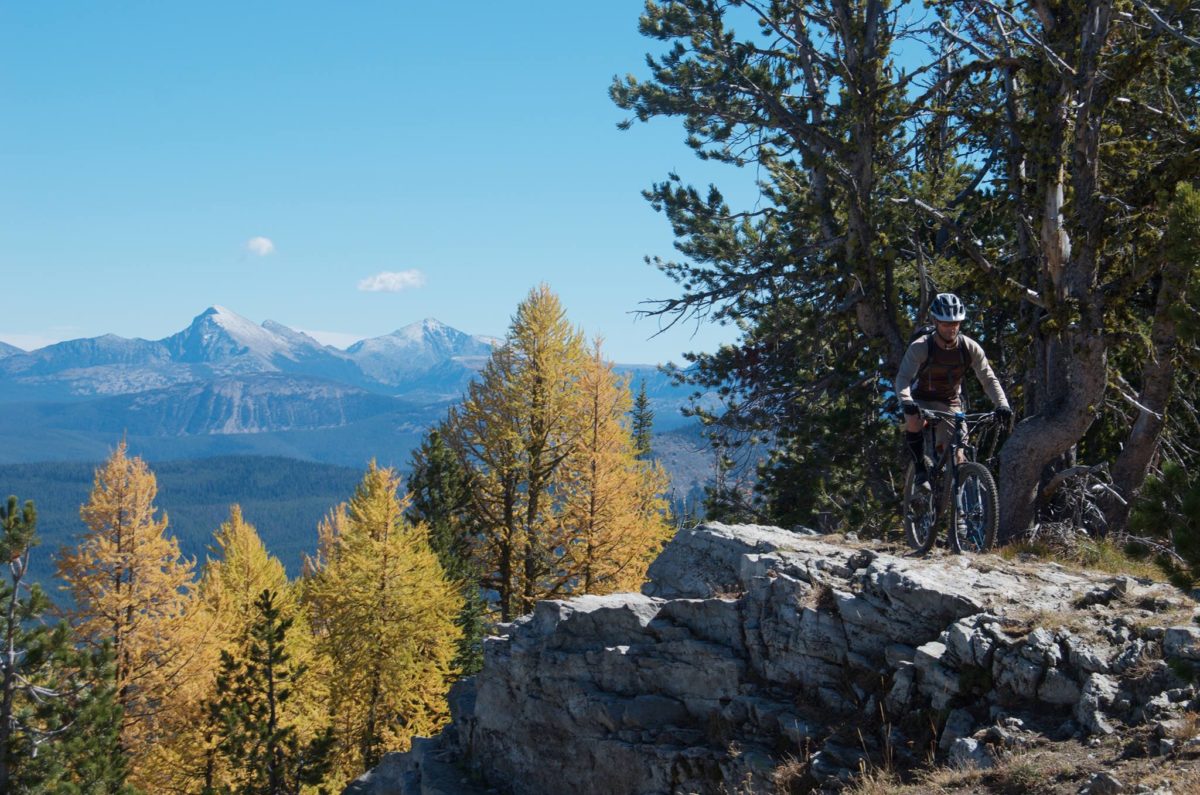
(911, 531)
(989, 506)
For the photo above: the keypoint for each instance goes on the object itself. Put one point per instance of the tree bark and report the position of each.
(1047, 435)
(1158, 379)
(1072, 357)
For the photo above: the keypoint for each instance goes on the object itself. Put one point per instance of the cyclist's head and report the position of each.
(947, 308)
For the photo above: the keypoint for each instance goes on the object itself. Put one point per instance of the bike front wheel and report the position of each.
(920, 515)
(975, 510)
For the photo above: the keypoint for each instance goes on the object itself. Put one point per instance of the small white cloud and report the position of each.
(392, 281)
(262, 246)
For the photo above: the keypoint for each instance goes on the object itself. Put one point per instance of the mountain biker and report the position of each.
(931, 376)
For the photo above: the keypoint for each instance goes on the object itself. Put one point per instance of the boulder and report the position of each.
(967, 753)
(1099, 691)
(1182, 643)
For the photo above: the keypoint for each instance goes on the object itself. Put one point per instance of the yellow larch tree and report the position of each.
(514, 430)
(491, 449)
(130, 588)
(613, 510)
(238, 570)
(383, 615)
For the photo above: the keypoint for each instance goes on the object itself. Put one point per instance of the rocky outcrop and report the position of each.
(753, 645)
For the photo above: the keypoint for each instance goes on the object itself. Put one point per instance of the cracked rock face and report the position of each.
(752, 644)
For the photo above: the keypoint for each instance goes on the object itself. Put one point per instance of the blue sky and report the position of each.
(276, 158)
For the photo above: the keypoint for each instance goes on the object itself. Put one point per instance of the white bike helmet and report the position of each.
(947, 308)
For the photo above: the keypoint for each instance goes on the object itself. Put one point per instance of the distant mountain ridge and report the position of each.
(220, 342)
(225, 385)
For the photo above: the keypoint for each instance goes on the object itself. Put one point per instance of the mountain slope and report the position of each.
(225, 342)
(255, 403)
(108, 349)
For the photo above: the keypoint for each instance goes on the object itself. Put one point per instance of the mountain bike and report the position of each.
(964, 495)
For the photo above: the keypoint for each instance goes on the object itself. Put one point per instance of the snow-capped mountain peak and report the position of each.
(219, 333)
(415, 348)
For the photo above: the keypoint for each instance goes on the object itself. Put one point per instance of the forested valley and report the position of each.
(283, 497)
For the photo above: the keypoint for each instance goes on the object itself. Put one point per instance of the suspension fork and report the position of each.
(956, 444)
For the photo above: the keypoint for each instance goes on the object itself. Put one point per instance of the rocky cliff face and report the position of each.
(751, 646)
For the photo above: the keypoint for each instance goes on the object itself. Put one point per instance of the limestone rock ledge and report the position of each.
(750, 645)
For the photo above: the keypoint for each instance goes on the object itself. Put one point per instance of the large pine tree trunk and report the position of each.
(861, 27)
(1071, 356)
(1158, 379)
(1074, 390)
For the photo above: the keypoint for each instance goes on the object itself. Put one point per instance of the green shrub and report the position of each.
(1169, 510)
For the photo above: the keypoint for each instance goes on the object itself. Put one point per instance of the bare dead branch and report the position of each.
(1163, 25)
(1126, 392)
(1058, 480)
(972, 248)
(1157, 546)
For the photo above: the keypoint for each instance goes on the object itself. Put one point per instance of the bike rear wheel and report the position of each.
(920, 515)
(977, 503)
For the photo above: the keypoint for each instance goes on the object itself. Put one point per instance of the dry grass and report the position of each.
(1187, 727)
(1019, 622)
(875, 781)
(791, 776)
(820, 597)
(1022, 774)
(1088, 555)
(1052, 769)
(947, 779)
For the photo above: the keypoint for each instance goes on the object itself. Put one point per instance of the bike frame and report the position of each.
(963, 425)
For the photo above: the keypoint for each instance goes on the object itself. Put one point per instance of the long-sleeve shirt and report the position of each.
(942, 377)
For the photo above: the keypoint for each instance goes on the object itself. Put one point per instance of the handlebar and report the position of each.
(933, 414)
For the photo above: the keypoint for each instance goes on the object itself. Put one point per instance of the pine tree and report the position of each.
(264, 751)
(20, 662)
(613, 512)
(57, 728)
(383, 614)
(131, 590)
(86, 756)
(440, 497)
(238, 570)
(1026, 163)
(643, 423)
(513, 431)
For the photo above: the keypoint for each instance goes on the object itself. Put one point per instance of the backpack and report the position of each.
(928, 330)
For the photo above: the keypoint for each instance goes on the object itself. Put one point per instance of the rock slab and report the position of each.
(752, 644)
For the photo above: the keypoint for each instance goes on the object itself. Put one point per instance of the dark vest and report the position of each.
(941, 377)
